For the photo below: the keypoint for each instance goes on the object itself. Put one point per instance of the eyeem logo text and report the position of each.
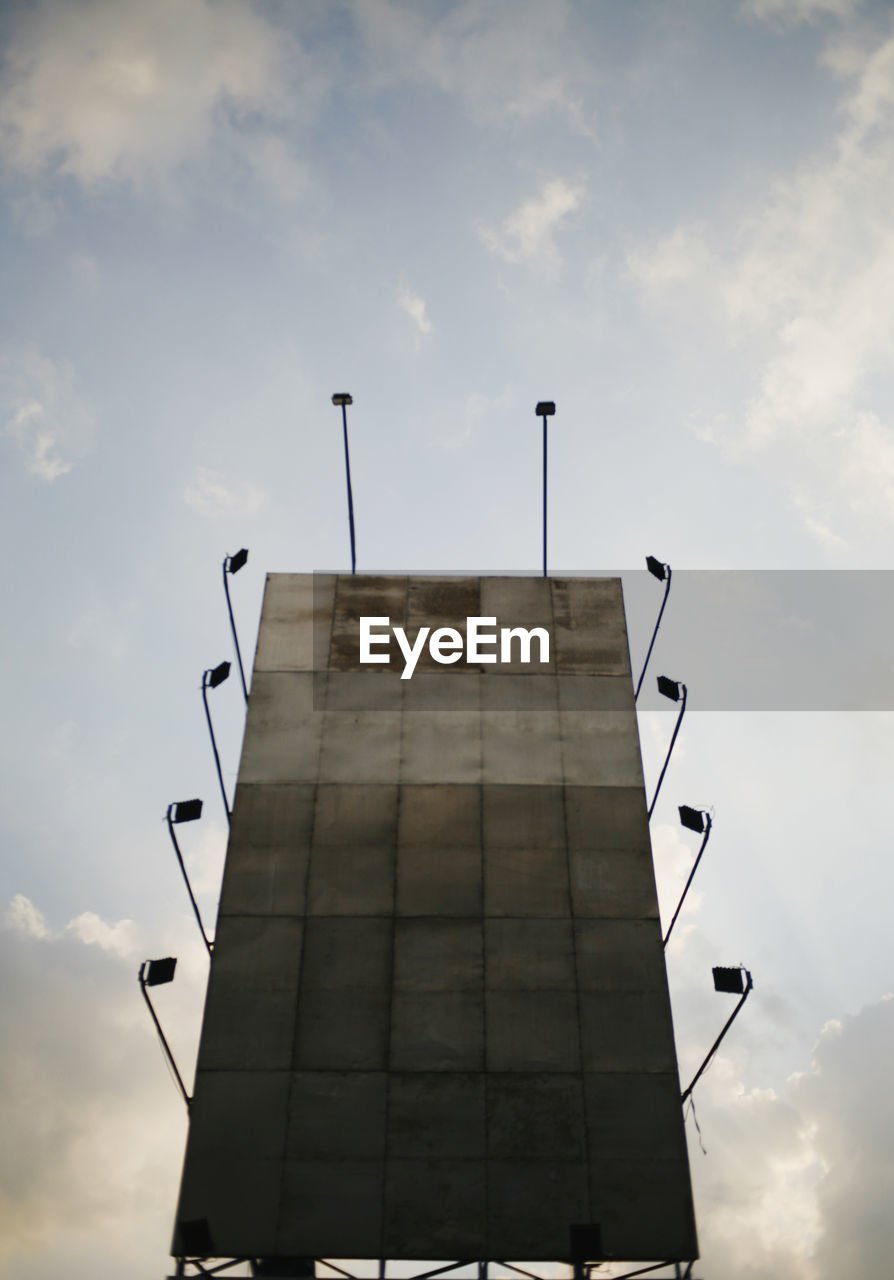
(481, 643)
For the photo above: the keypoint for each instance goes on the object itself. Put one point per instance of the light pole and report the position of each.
(545, 409)
(210, 680)
(698, 820)
(343, 399)
(663, 573)
(187, 811)
(735, 981)
(675, 690)
(232, 564)
(152, 974)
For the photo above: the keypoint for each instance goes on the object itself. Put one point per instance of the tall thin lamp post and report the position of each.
(343, 399)
(187, 811)
(232, 564)
(698, 820)
(663, 573)
(545, 409)
(210, 680)
(152, 974)
(675, 690)
(737, 981)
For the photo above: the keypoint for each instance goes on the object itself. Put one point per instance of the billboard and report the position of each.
(437, 1023)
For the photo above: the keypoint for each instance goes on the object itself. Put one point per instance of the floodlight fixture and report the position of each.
(187, 811)
(545, 409)
(675, 690)
(735, 981)
(662, 572)
(154, 973)
(694, 820)
(232, 564)
(342, 399)
(210, 680)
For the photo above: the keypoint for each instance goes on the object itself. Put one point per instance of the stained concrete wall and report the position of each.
(437, 1022)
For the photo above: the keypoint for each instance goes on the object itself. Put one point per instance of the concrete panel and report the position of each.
(613, 882)
(536, 1117)
(258, 954)
(521, 746)
(441, 746)
(283, 732)
(351, 881)
(238, 1198)
(457, 1187)
(434, 1115)
(633, 1115)
(440, 816)
(532, 1031)
(595, 693)
(619, 955)
(297, 613)
(530, 955)
(247, 1030)
(525, 882)
(438, 955)
(265, 880)
(439, 881)
(342, 1030)
(531, 1205)
(361, 746)
(437, 1031)
(376, 689)
(328, 1200)
(523, 692)
(347, 954)
(355, 815)
(626, 1031)
(590, 634)
(601, 817)
(357, 597)
(600, 749)
(336, 1115)
(644, 1205)
(280, 814)
(523, 816)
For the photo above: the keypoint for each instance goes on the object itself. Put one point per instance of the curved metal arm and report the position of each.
(195, 906)
(344, 423)
(670, 748)
(749, 985)
(161, 1035)
(689, 881)
(223, 790)
(642, 676)
(233, 627)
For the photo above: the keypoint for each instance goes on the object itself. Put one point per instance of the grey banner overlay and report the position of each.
(741, 640)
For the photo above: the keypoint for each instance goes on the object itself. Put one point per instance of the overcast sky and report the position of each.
(672, 217)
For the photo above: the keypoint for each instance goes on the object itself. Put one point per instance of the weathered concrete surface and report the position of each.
(437, 1023)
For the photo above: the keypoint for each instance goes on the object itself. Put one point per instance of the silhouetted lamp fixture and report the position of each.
(153, 973)
(545, 409)
(676, 691)
(663, 573)
(342, 399)
(210, 680)
(698, 820)
(232, 564)
(736, 981)
(187, 811)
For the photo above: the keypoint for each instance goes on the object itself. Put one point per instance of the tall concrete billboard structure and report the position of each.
(437, 1023)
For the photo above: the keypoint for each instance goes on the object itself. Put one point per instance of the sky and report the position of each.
(672, 217)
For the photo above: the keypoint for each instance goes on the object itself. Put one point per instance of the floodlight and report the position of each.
(210, 680)
(669, 688)
(153, 973)
(663, 573)
(187, 811)
(729, 980)
(676, 691)
(545, 409)
(159, 972)
(693, 819)
(698, 820)
(342, 399)
(232, 564)
(736, 982)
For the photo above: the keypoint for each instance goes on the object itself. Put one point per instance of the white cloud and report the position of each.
(23, 916)
(210, 495)
(803, 294)
(792, 12)
(43, 412)
(100, 90)
(414, 305)
(528, 233)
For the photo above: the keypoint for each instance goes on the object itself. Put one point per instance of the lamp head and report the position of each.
(670, 688)
(217, 675)
(159, 971)
(729, 980)
(694, 819)
(656, 568)
(234, 563)
(342, 397)
(545, 408)
(186, 811)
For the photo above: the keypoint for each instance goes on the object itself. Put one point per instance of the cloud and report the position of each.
(43, 412)
(528, 234)
(210, 495)
(414, 305)
(802, 294)
(100, 91)
(792, 12)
